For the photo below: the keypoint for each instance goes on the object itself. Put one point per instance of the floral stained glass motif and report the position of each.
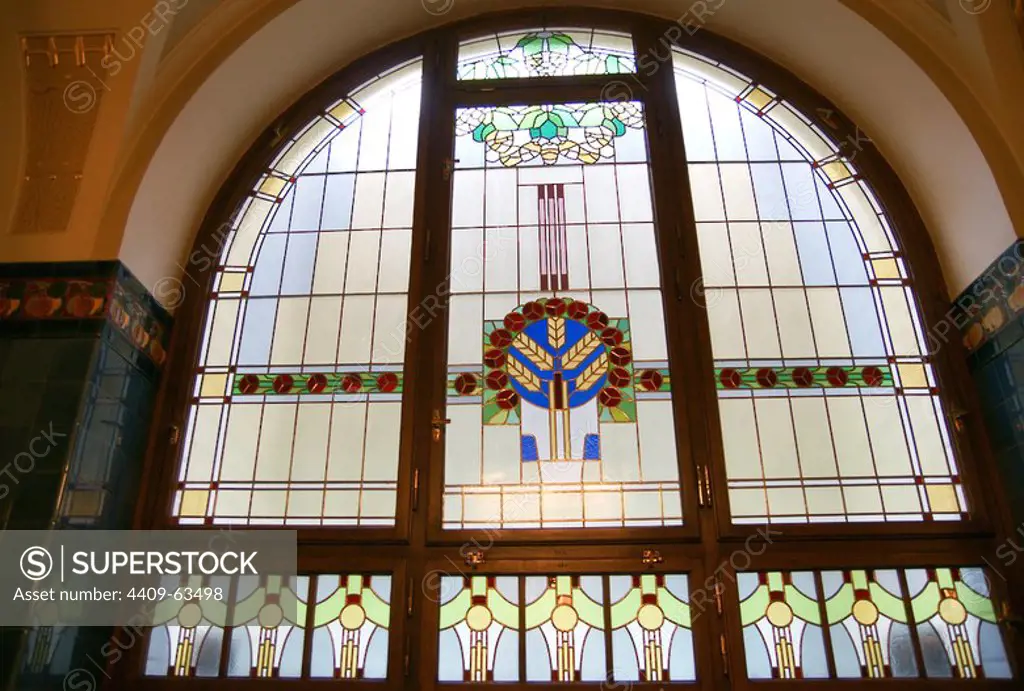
(879, 621)
(565, 619)
(650, 621)
(296, 415)
(828, 401)
(259, 626)
(546, 53)
(561, 412)
(549, 134)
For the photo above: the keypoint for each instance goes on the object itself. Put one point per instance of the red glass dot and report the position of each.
(316, 383)
(611, 336)
(730, 378)
(618, 377)
(352, 384)
(766, 378)
(500, 338)
(837, 376)
(497, 380)
(620, 356)
(507, 399)
(514, 321)
(283, 383)
(555, 307)
(249, 384)
(533, 311)
(803, 377)
(597, 320)
(387, 382)
(609, 397)
(494, 358)
(872, 376)
(651, 380)
(465, 384)
(577, 310)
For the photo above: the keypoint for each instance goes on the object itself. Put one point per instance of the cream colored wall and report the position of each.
(937, 96)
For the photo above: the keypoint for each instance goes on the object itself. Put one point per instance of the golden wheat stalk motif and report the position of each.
(590, 375)
(518, 371)
(556, 332)
(533, 352)
(580, 351)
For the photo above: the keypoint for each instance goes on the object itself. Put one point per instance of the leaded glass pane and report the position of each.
(560, 406)
(829, 405)
(546, 52)
(296, 411)
(351, 619)
(650, 620)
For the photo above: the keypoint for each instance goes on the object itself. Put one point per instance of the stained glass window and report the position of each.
(259, 630)
(548, 52)
(566, 623)
(878, 621)
(560, 406)
(828, 402)
(296, 414)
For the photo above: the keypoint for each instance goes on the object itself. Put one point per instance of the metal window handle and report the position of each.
(437, 424)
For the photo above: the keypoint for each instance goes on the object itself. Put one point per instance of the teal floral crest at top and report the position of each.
(581, 132)
(548, 54)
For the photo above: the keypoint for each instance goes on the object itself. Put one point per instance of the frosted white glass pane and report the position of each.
(338, 200)
(399, 200)
(601, 194)
(715, 255)
(634, 187)
(747, 502)
(697, 135)
(851, 436)
(383, 425)
(814, 441)
(828, 323)
(759, 136)
(356, 329)
(794, 323)
(501, 457)
(931, 452)
(742, 455)
(309, 457)
(345, 148)
(759, 324)
(373, 143)
(739, 193)
(648, 315)
(500, 201)
(864, 215)
(726, 328)
(860, 500)
(467, 253)
(222, 333)
(725, 119)
(240, 248)
(657, 441)
(268, 503)
(464, 317)
(641, 252)
(239, 458)
(748, 254)
(363, 256)
(529, 260)
(275, 449)
(467, 198)
(707, 192)
(390, 330)
(395, 251)
(463, 446)
(579, 259)
(606, 270)
(322, 336)
(897, 317)
(368, 207)
(348, 429)
(780, 248)
(331, 259)
(204, 442)
(888, 439)
(769, 191)
(500, 260)
(309, 199)
(290, 331)
(775, 431)
(801, 191)
(621, 454)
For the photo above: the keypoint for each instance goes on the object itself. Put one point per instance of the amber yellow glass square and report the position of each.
(213, 385)
(837, 171)
(193, 503)
(942, 499)
(342, 112)
(913, 376)
(273, 186)
(231, 283)
(759, 98)
(886, 268)
(85, 503)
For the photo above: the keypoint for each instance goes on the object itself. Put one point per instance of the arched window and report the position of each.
(583, 368)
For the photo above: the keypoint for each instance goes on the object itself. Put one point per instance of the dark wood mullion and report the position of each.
(825, 629)
(912, 625)
(609, 660)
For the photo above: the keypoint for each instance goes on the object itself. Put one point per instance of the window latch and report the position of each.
(437, 424)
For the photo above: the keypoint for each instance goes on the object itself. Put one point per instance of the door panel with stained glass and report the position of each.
(559, 391)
